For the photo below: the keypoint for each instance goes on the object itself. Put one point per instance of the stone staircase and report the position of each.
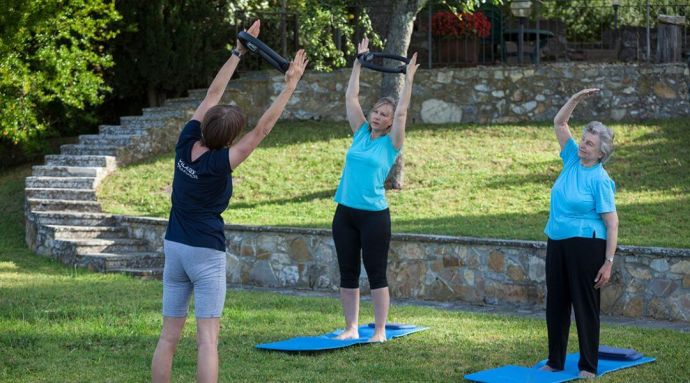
(64, 220)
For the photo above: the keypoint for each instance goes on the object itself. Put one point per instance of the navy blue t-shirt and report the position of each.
(201, 191)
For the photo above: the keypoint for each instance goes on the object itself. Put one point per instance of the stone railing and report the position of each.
(646, 283)
(487, 94)
(64, 220)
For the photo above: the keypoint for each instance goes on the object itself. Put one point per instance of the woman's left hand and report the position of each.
(254, 31)
(603, 276)
(411, 68)
(363, 47)
(296, 69)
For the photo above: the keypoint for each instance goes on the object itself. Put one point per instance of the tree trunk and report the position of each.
(154, 96)
(396, 27)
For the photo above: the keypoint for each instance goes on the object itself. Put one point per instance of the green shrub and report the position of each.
(52, 61)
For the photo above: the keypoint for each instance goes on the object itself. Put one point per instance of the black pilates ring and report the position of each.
(367, 61)
(257, 46)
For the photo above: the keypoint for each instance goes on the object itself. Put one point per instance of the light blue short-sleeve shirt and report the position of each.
(367, 164)
(578, 198)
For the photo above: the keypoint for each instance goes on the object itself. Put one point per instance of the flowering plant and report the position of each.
(461, 24)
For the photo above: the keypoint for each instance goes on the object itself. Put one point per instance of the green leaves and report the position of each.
(327, 29)
(51, 52)
(167, 47)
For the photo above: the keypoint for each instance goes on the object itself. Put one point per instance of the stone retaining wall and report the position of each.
(646, 283)
(486, 94)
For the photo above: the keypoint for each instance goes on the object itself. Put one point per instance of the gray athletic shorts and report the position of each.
(196, 269)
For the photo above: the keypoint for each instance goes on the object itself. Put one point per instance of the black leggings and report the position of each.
(356, 230)
(571, 266)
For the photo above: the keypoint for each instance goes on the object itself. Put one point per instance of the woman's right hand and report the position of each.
(296, 69)
(363, 47)
(411, 68)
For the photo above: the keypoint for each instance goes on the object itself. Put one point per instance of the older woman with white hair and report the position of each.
(582, 235)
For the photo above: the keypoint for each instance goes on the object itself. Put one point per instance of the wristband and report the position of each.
(237, 53)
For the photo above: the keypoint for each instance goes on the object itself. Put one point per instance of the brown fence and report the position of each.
(560, 31)
(554, 31)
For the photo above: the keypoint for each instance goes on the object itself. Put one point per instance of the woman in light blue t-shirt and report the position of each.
(582, 235)
(362, 224)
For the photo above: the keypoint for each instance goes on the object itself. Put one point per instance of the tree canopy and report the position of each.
(52, 60)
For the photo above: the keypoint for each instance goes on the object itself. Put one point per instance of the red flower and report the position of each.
(462, 24)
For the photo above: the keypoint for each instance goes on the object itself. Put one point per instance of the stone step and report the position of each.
(61, 182)
(151, 273)
(62, 194)
(166, 112)
(89, 150)
(119, 130)
(65, 171)
(197, 93)
(80, 160)
(104, 140)
(184, 102)
(66, 218)
(108, 245)
(142, 122)
(86, 232)
(105, 262)
(63, 205)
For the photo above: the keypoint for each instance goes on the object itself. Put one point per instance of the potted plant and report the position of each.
(457, 36)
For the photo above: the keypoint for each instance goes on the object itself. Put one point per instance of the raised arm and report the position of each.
(220, 82)
(397, 133)
(560, 122)
(246, 145)
(355, 116)
(611, 222)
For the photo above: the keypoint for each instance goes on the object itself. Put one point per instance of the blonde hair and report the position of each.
(384, 101)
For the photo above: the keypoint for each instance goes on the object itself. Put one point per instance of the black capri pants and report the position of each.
(368, 232)
(571, 266)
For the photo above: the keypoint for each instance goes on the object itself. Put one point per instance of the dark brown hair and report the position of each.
(221, 126)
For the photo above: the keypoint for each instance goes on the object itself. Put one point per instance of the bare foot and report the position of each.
(547, 368)
(351, 333)
(586, 375)
(378, 338)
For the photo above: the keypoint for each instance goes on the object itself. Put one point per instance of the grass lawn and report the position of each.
(467, 180)
(58, 324)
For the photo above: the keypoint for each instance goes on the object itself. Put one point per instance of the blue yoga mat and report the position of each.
(519, 374)
(615, 353)
(328, 341)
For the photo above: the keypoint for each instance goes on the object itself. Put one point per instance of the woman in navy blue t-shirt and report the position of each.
(205, 157)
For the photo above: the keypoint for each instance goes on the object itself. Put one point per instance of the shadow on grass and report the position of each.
(46, 291)
(300, 132)
(326, 193)
(501, 180)
(291, 133)
(657, 160)
(642, 224)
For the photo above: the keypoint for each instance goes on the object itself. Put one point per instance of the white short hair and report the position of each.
(605, 138)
